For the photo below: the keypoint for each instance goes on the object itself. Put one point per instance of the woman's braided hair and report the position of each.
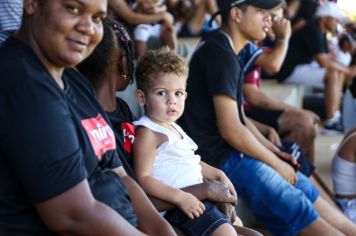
(124, 40)
(115, 39)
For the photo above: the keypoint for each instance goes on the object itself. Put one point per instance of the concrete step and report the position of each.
(186, 46)
(291, 94)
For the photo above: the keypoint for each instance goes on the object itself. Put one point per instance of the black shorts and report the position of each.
(204, 225)
(264, 115)
(306, 167)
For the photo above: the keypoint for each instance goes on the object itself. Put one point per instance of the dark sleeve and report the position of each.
(125, 110)
(114, 160)
(221, 76)
(39, 141)
(315, 41)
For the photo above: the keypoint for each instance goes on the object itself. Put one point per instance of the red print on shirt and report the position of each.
(100, 134)
(128, 130)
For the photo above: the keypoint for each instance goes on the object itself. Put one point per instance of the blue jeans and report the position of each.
(284, 209)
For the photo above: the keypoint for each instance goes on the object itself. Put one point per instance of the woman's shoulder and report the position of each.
(18, 64)
(77, 81)
(124, 109)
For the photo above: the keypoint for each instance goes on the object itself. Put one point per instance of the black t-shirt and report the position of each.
(214, 70)
(121, 120)
(51, 139)
(303, 46)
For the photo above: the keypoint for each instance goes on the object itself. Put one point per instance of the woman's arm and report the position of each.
(76, 212)
(149, 220)
(213, 191)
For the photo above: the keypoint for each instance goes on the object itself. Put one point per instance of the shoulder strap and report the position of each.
(148, 123)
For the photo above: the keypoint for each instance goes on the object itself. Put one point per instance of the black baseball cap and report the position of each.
(225, 5)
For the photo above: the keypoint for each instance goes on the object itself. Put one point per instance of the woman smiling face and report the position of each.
(63, 32)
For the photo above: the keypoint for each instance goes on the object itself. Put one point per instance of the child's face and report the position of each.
(164, 100)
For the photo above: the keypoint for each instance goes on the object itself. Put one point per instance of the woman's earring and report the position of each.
(124, 76)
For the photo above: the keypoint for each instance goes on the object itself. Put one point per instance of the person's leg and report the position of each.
(320, 228)
(315, 76)
(246, 231)
(169, 37)
(280, 207)
(335, 218)
(284, 209)
(333, 90)
(324, 191)
(298, 127)
(311, 75)
(225, 229)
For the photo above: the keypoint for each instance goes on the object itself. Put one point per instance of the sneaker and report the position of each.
(333, 128)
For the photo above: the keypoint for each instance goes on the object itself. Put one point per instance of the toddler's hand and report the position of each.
(191, 206)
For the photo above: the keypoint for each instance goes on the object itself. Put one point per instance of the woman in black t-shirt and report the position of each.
(54, 134)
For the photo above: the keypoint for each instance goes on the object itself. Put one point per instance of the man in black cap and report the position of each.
(284, 200)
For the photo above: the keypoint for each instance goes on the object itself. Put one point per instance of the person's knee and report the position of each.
(299, 125)
(332, 77)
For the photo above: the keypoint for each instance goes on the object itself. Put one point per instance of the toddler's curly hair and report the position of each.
(156, 62)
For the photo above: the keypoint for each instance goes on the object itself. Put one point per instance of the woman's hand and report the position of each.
(218, 192)
(227, 183)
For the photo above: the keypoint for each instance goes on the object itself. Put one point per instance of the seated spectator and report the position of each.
(65, 180)
(344, 175)
(346, 46)
(10, 17)
(192, 16)
(164, 156)
(291, 122)
(292, 8)
(122, 10)
(304, 14)
(109, 69)
(308, 62)
(143, 32)
(283, 200)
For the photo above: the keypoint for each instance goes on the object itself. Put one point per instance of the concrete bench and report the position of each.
(186, 46)
(291, 94)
